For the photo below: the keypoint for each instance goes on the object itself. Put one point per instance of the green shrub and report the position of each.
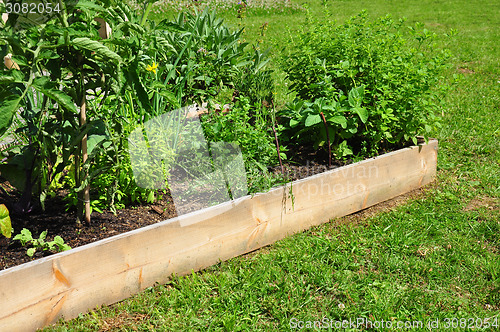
(397, 68)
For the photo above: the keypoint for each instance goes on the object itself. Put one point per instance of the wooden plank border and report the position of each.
(38, 293)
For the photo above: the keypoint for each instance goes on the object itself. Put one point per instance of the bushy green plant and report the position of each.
(61, 61)
(204, 55)
(398, 69)
(327, 121)
(249, 125)
(235, 126)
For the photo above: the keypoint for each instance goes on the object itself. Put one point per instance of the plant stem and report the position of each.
(86, 191)
(82, 156)
(327, 139)
(277, 142)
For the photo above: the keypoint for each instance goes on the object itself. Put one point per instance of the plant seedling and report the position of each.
(25, 237)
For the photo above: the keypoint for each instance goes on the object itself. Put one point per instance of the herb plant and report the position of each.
(326, 121)
(248, 125)
(398, 70)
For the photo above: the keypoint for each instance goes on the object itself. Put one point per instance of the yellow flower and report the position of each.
(152, 67)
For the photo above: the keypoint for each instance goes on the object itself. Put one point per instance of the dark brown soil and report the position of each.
(58, 221)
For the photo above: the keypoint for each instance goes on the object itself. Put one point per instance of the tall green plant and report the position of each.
(67, 62)
(190, 59)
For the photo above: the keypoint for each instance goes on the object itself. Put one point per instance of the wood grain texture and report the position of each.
(38, 293)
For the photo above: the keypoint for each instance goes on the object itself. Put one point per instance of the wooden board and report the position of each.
(38, 293)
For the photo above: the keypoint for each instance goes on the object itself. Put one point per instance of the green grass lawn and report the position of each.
(437, 256)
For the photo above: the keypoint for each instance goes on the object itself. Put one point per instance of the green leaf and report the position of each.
(96, 47)
(171, 98)
(43, 85)
(356, 96)
(93, 141)
(151, 197)
(343, 149)
(30, 252)
(312, 119)
(96, 135)
(8, 108)
(339, 119)
(362, 113)
(89, 5)
(294, 122)
(51, 246)
(135, 82)
(5, 224)
(24, 237)
(58, 240)
(11, 76)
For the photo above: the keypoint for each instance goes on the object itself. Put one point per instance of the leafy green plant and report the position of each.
(54, 61)
(202, 55)
(397, 68)
(193, 58)
(26, 238)
(326, 122)
(235, 126)
(250, 126)
(66, 64)
(5, 224)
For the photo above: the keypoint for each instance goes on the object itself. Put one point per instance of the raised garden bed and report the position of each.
(38, 293)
